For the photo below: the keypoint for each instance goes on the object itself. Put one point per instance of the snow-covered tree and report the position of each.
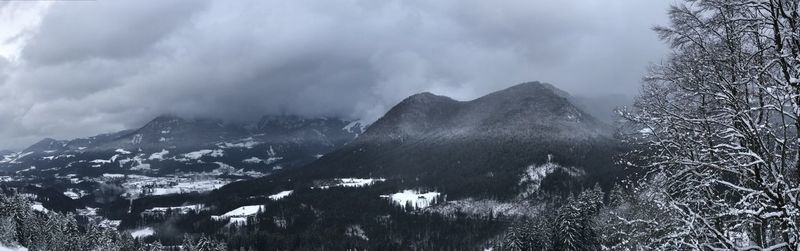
(203, 243)
(719, 119)
(568, 226)
(21, 225)
(636, 217)
(574, 227)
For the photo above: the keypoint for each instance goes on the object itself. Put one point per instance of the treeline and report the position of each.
(632, 216)
(22, 225)
(717, 130)
(335, 219)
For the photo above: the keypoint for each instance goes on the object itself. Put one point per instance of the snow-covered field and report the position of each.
(413, 198)
(199, 154)
(355, 182)
(190, 186)
(280, 195)
(241, 211)
(159, 155)
(239, 215)
(230, 170)
(12, 248)
(39, 207)
(141, 233)
(247, 143)
(140, 185)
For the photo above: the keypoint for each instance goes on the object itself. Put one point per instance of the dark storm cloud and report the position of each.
(100, 66)
(111, 30)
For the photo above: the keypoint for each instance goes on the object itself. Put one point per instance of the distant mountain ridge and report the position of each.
(287, 139)
(513, 112)
(481, 147)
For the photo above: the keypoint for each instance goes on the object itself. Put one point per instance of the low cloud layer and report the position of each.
(78, 68)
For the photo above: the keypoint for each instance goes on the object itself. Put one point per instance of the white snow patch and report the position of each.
(141, 167)
(112, 224)
(356, 127)
(14, 157)
(12, 248)
(248, 143)
(349, 182)
(280, 195)
(413, 198)
(237, 221)
(141, 233)
(72, 195)
(113, 175)
(356, 182)
(88, 211)
(122, 151)
(253, 160)
(191, 186)
(26, 169)
(199, 154)
(101, 161)
(39, 207)
(239, 215)
(159, 155)
(271, 160)
(136, 139)
(179, 209)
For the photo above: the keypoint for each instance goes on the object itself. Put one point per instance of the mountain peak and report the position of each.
(46, 144)
(523, 110)
(166, 118)
(426, 97)
(527, 89)
(428, 138)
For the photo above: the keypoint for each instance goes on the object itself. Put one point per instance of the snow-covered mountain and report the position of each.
(169, 143)
(482, 147)
(500, 155)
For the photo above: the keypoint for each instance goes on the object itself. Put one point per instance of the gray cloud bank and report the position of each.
(100, 66)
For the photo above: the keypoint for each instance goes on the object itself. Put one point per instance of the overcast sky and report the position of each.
(78, 68)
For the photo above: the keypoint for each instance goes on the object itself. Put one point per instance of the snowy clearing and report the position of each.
(280, 195)
(159, 155)
(242, 211)
(141, 233)
(5, 248)
(413, 198)
(199, 154)
(39, 207)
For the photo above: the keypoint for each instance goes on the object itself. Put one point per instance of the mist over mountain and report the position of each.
(73, 73)
(486, 144)
(508, 150)
(398, 125)
(170, 144)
